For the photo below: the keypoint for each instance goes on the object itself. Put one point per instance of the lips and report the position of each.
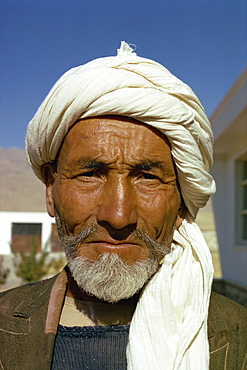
(128, 252)
(111, 242)
(107, 245)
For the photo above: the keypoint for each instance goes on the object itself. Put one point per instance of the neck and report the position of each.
(101, 312)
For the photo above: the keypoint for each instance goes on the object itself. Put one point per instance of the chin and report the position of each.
(109, 278)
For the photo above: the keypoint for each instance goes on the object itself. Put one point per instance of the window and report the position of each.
(23, 234)
(241, 199)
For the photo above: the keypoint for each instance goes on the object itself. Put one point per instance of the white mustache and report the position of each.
(71, 241)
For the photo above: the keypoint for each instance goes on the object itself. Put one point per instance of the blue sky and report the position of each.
(203, 42)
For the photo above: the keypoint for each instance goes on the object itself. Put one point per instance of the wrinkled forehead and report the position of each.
(114, 134)
(93, 123)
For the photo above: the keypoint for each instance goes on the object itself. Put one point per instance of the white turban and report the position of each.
(169, 327)
(136, 87)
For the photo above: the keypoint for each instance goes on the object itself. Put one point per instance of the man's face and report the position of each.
(117, 175)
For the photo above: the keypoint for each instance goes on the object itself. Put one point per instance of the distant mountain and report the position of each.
(20, 190)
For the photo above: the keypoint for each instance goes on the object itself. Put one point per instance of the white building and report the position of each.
(229, 123)
(18, 229)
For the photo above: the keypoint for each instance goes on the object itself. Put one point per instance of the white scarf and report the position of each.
(169, 326)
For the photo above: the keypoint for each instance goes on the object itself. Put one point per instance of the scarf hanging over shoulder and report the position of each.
(168, 330)
(169, 327)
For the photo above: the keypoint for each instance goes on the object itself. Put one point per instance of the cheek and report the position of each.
(74, 206)
(159, 211)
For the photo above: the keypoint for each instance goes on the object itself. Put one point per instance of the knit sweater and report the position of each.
(90, 347)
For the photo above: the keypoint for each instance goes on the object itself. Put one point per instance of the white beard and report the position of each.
(110, 278)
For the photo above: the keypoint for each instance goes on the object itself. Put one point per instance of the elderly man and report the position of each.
(124, 149)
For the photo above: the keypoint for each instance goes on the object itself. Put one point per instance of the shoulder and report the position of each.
(10, 299)
(227, 333)
(224, 313)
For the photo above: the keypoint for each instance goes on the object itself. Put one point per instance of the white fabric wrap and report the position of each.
(169, 329)
(169, 326)
(136, 87)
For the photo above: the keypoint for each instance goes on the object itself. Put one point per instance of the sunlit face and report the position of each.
(117, 174)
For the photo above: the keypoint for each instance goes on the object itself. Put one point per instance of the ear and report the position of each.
(49, 171)
(181, 214)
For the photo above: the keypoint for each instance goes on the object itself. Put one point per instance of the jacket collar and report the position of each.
(54, 293)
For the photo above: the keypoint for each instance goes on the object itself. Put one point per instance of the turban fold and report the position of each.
(136, 87)
(169, 327)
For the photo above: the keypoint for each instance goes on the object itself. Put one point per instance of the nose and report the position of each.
(117, 209)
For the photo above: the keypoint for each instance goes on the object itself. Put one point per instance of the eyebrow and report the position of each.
(145, 165)
(90, 164)
(148, 165)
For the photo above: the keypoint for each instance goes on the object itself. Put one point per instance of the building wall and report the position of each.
(233, 255)
(229, 124)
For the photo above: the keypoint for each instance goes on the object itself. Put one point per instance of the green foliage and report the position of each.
(32, 266)
(3, 272)
(57, 265)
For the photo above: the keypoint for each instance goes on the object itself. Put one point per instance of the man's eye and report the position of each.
(88, 174)
(148, 176)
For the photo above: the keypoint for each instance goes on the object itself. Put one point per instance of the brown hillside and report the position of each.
(20, 190)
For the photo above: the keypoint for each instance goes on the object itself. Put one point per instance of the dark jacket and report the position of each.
(26, 344)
